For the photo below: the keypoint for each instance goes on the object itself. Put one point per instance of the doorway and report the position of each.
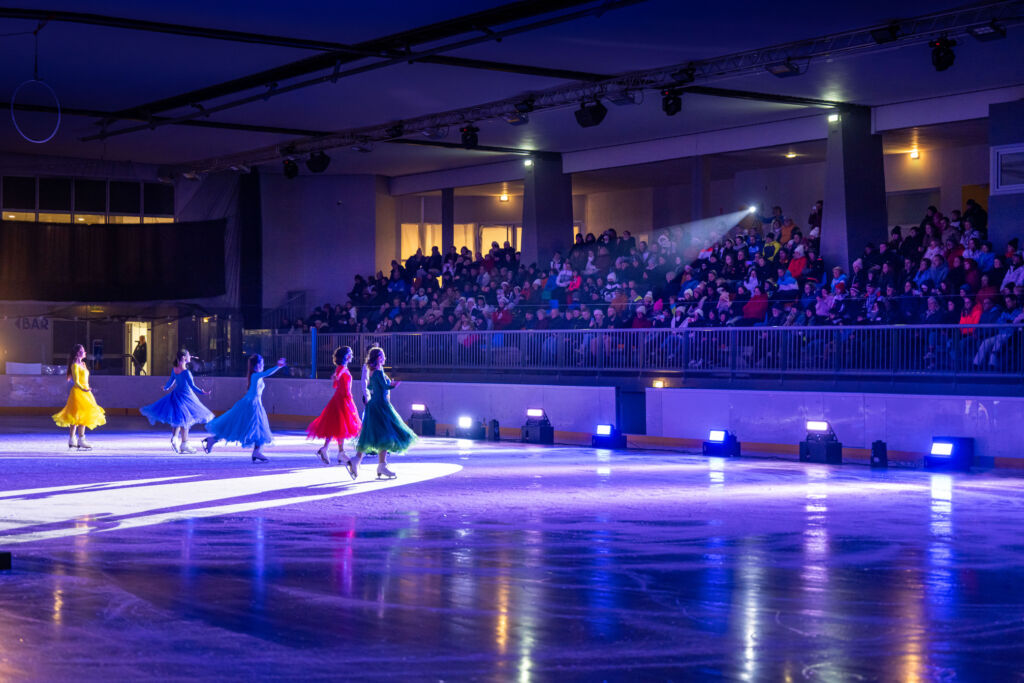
(134, 330)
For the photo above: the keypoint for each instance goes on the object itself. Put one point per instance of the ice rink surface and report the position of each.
(497, 562)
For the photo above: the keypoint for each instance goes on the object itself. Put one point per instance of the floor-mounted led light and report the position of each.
(914, 154)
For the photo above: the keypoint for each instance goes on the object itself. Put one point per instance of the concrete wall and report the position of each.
(946, 169)
(570, 408)
(905, 422)
(318, 231)
(795, 188)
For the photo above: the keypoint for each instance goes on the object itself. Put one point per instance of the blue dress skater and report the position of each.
(181, 407)
(383, 429)
(247, 421)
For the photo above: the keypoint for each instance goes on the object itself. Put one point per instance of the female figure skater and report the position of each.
(383, 430)
(81, 410)
(246, 422)
(339, 419)
(181, 408)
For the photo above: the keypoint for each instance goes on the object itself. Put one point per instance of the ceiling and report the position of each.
(106, 69)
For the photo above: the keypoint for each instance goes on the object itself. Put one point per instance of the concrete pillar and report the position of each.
(447, 219)
(700, 188)
(250, 223)
(1005, 211)
(855, 211)
(547, 210)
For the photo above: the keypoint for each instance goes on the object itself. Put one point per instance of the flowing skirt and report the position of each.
(338, 420)
(384, 430)
(81, 409)
(245, 423)
(178, 409)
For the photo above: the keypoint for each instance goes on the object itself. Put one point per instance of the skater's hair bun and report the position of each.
(374, 355)
(180, 356)
(340, 353)
(254, 360)
(74, 356)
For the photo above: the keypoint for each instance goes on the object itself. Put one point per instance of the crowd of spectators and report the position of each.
(765, 271)
(749, 276)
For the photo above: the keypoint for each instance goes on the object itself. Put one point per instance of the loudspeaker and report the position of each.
(879, 454)
(5, 562)
(538, 432)
(493, 431)
(827, 452)
(423, 426)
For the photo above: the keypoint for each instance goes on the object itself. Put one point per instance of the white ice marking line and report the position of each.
(149, 505)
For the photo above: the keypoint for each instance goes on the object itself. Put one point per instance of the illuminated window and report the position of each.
(90, 218)
(135, 220)
(157, 219)
(19, 216)
(55, 218)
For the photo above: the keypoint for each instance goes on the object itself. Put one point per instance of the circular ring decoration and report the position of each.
(14, 120)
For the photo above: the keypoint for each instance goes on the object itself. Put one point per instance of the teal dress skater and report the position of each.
(383, 429)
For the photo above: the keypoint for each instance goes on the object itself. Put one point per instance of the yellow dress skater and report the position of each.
(81, 408)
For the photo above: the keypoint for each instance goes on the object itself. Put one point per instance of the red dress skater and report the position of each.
(339, 419)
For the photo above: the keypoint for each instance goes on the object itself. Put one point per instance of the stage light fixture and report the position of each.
(751, 209)
(318, 162)
(886, 34)
(592, 114)
(395, 131)
(685, 76)
(833, 118)
(671, 101)
(988, 32)
(470, 137)
(608, 436)
(879, 454)
(525, 106)
(503, 197)
(821, 444)
(721, 443)
(623, 98)
(436, 133)
(363, 145)
(421, 421)
(658, 384)
(950, 453)
(469, 428)
(517, 119)
(291, 169)
(527, 163)
(942, 52)
(914, 154)
(786, 69)
(791, 155)
(538, 427)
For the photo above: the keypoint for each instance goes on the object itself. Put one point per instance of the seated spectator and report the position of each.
(756, 307)
(1015, 273)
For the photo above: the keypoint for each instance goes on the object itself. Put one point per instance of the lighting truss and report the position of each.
(920, 30)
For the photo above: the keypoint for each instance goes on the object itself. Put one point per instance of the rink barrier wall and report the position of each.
(766, 422)
(572, 409)
(774, 421)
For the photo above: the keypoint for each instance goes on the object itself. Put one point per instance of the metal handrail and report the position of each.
(968, 351)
